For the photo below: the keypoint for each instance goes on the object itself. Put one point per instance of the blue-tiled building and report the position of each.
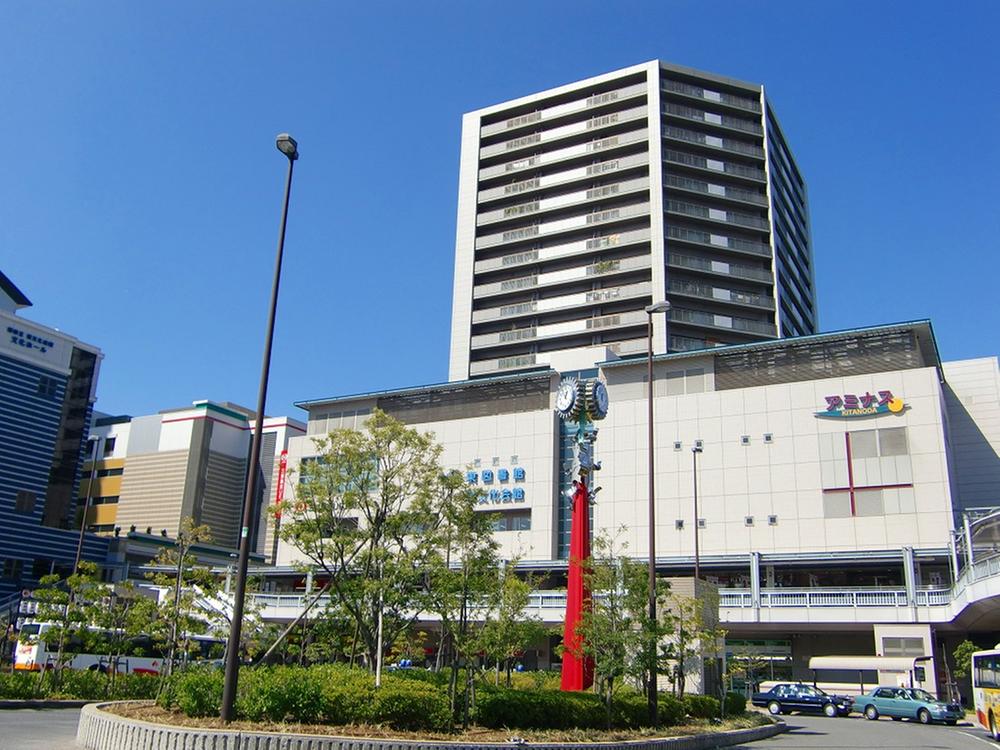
(48, 383)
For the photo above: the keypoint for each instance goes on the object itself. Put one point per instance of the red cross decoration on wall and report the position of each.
(853, 488)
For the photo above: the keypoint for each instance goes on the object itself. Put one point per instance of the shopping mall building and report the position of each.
(841, 481)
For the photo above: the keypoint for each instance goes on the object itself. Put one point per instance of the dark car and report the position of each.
(787, 697)
(908, 703)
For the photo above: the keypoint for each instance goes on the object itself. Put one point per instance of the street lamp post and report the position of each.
(95, 441)
(658, 307)
(286, 145)
(694, 460)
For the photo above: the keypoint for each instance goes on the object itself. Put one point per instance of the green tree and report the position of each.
(187, 610)
(69, 606)
(617, 633)
(507, 629)
(359, 515)
(461, 572)
(962, 656)
(123, 614)
(693, 634)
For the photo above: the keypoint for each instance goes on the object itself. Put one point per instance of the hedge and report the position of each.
(80, 685)
(702, 706)
(736, 704)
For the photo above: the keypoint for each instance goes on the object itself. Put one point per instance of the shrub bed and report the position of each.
(736, 704)
(701, 706)
(78, 685)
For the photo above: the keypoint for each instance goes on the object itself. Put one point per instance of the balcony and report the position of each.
(614, 240)
(717, 294)
(718, 241)
(718, 191)
(721, 322)
(700, 115)
(686, 89)
(557, 330)
(556, 226)
(579, 198)
(565, 302)
(672, 156)
(606, 268)
(567, 177)
(717, 214)
(725, 144)
(719, 268)
(561, 110)
(561, 132)
(512, 168)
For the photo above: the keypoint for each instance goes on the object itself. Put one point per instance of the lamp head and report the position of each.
(658, 307)
(696, 449)
(288, 146)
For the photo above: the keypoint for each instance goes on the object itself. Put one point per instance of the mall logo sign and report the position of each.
(851, 405)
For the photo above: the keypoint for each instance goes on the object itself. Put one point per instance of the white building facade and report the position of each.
(834, 478)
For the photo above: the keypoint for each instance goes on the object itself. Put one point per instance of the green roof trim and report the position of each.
(208, 405)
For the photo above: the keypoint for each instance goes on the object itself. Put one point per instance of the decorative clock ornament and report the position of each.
(568, 401)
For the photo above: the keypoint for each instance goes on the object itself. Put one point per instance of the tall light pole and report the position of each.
(286, 145)
(95, 441)
(694, 467)
(657, 307)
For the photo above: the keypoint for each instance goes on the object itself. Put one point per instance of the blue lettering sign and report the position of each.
(506, 495)
(518, 474)
(471, 477)
(503, 475)
(487, 476)
(495, 496)
(519, 494)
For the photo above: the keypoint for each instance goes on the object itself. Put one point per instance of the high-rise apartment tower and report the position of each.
(581, 205)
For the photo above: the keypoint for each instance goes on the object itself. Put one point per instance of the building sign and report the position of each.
(851, 405)
(496, 489)
(279, 494)
(29, 340)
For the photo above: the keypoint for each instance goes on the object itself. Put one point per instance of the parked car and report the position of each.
(787, 697)
(907, 703)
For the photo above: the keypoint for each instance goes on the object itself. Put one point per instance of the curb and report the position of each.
(100, 730)
(12, 704)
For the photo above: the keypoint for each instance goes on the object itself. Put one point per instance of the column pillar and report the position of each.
(755, 579)
(910, 576)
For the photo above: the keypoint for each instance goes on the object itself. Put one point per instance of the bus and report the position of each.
(986, 690)
(140, 654)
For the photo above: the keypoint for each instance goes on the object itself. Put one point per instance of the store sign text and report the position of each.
(851, 405)
(492, 495)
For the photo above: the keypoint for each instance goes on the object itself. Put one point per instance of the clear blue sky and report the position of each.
(140, 188)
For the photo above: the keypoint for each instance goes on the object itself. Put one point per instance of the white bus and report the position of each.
(141, 654)
(986, 690)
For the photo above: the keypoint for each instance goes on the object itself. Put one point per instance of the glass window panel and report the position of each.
(892, 442)
(837, 505)
(863, 444)
(868, 503)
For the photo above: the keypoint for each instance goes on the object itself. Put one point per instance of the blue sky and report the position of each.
(140, 189)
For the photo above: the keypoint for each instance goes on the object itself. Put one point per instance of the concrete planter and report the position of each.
(101, 730)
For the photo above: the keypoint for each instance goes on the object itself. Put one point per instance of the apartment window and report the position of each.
(772, 520)
(679, 524)
(101, 528)
(892, 442)
(110, 472)
(864, 444)
(768, 437)
(109, 446)
(748, 520)
(744, 440)
(41, 567)
(12, 568)
(24, 501)
(903, 647)
(105, 500)
(47, 387)
(512, 520)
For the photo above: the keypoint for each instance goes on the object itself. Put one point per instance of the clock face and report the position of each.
(600, 399)
(566, 397)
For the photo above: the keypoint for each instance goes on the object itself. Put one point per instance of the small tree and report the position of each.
(68, 605)
(962, 656)
(184, 611)
(507, 629)
(747, 665)
(616, 632)
(124, 614)
(359, 514)
(692, 636)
